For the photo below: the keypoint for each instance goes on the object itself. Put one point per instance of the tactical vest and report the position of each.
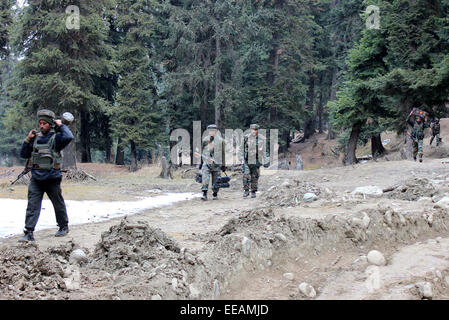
(44, 156)
(436, 128)
(211, 153)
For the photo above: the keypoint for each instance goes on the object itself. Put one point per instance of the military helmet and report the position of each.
(254, 126)
(46, 115)
(212, 127)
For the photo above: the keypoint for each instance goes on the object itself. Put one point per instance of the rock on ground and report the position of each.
(289, 276)
(78, 256)
(307, 290)
(309, 197)
(368, 191)
(443, 203)
(377, 258)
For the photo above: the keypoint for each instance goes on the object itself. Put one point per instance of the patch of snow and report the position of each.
(12, 215)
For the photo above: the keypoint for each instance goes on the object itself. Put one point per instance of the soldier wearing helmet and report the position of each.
(435, 131)
(417, 134)
(213, 163)
(43, 151)
(251, 155)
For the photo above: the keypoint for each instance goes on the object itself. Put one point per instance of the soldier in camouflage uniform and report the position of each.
(417, 135)
(435, 131)
(212, 166)
(252, 143)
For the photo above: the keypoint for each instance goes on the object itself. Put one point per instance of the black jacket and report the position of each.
(63, 137)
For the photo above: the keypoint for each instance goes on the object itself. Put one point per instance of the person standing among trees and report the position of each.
(212, 164)
(417, 134)
(43, 151)
(253, 146)
(435, 131)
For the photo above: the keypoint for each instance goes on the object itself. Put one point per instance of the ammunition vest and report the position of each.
(210, 153)
(44, 156)
(436, 128)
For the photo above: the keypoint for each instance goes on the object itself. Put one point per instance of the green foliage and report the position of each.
(58, 63)
(5, 23)
(400, 66)
(136, 116)
(138, 69)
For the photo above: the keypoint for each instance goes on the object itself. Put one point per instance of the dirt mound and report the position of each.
(254, 219)
(125, 245)
(437, 152)
(28, 273)
(144, 262)
(413, 189)
(291, 193)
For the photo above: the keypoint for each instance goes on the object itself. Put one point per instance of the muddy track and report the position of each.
(232, 248)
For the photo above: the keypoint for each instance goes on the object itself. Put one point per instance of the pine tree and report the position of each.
(136, 115)
(59, 64)
(5, 22)
(393, 69)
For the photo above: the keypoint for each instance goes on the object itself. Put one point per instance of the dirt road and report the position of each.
(322, 242)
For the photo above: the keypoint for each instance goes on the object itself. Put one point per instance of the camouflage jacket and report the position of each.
(418, 128)
(209, 147)
(254, 144)
(435, 128)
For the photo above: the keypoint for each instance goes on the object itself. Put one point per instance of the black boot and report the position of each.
(246, 194)
(62, 231)
(204, 197)
(28, 236)
(215, 196)
(253, 194)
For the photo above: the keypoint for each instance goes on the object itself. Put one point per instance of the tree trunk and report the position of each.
(330, 132)
(273, 74)
(350, 157)
(120, 155)
(133, 166)
(309, 125)
(108, 141)
(320, 113)
(69, 152)
(377, 149)
(217, 82)
(85, 137)
(166, 169)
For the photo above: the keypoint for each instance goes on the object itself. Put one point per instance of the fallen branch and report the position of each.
(77, 175)
(390, 188)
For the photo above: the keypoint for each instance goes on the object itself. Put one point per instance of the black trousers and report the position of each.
(36, 191)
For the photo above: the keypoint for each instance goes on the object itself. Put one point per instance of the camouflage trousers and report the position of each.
(208, 174)
(438, 139)
(417, 148)
(251, 174)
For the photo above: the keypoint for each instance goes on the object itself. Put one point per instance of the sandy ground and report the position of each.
(190, 223)
(235, 248)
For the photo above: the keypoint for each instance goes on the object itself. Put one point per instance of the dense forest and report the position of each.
(134, 70)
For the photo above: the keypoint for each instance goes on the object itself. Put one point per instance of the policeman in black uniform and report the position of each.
(43, 151)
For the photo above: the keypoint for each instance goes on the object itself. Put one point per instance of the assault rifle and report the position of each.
(24, 172)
